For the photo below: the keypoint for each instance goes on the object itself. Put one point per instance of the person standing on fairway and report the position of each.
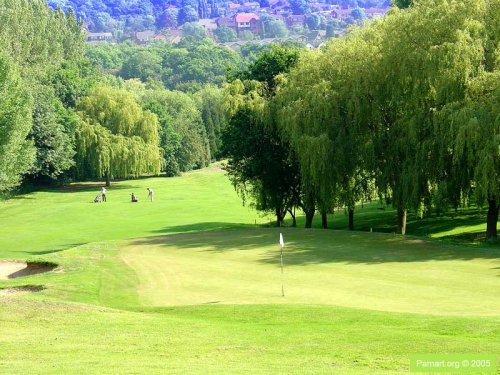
(103, 194)
(150, 194)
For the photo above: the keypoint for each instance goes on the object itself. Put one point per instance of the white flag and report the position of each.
(282, 242)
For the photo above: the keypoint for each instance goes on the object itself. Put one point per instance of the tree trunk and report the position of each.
(108, 181)
(294, 219)
(324, 220)
(351, 218)
(309, 217)
(280, 216)
(402, 221)
(492, 220)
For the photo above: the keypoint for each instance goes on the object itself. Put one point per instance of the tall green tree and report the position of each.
(260, 161)
(476, 126)
(53, 133)
(183, 138)
(210, 101)
(427, 55)
(17, 152)
(116, 138)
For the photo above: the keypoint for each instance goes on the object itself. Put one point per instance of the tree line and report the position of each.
(406, 108)
(64, 117)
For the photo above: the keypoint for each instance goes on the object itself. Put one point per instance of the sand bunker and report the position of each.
(21, 290)
(12, 270)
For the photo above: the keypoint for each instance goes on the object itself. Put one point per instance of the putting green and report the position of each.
(361, 270)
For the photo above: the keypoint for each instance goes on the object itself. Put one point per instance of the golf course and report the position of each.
(191, 283)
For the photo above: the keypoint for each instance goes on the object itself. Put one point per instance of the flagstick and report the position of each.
(282, 277)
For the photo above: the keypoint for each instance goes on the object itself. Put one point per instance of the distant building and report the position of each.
(247, 21)
(99, 37)
(241, 22)
(375, 12)
(341, 14)
(296, 20)
(144, 37)
(321, 6)
(173, 36)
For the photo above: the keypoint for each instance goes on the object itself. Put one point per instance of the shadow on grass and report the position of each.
(372, 218)
(312, 246)
(57, 250)
(202, 227)
(89, 187)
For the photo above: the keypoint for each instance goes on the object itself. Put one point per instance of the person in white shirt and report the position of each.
(103, 194)
(150, 194)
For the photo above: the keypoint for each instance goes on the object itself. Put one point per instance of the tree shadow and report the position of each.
(202, 227)
(89, 187)
(314, 246)
(57, 250)
(372, 218)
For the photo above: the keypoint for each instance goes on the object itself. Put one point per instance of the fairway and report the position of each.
(190, 284)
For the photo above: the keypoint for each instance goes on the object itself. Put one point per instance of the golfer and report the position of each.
(150, 194)
(103, 194)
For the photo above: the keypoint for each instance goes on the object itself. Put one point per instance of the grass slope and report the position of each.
(132, 296)
(52, 220)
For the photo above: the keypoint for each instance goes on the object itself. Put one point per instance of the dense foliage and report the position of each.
(64, 115)
(404, 108)
(190, 64)
(411, 102)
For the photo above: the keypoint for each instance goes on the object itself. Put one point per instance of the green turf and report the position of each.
(168, 288)
(465, 225)
(52, 220)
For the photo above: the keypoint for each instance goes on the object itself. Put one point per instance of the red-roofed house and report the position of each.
(247, 21)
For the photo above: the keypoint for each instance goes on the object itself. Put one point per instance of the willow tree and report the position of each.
(325, 113)
(472, 126)
(302, 107)
(427, 55)
(116, 138)
(17, 153)
(477, 144)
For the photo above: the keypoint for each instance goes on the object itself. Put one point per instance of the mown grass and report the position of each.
(168, 288)
(52, 220)
(261, 339)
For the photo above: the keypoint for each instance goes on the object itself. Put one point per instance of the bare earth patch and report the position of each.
(21, 290)
(12, 270)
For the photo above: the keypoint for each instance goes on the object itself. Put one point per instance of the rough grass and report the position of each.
(145, 289)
